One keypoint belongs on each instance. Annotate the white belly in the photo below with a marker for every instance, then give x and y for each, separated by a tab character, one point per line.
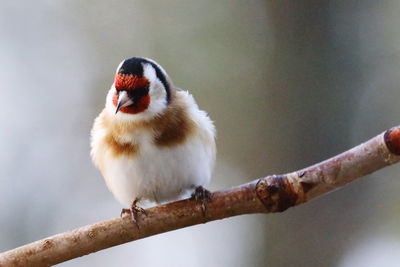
160	173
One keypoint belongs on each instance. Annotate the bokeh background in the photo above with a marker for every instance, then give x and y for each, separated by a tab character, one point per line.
288	84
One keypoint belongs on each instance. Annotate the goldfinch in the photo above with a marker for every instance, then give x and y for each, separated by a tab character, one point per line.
151	141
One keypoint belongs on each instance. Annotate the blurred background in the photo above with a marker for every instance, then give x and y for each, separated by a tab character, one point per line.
288	84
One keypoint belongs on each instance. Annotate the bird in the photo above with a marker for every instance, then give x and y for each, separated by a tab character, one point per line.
151	142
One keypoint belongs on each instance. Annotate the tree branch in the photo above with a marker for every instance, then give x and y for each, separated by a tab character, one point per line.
273	193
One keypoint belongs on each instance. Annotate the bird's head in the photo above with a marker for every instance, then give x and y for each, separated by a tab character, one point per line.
142	89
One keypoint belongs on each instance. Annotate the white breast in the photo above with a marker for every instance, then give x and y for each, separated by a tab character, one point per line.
159	173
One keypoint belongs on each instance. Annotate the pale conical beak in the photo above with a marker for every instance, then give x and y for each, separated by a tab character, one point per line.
123	101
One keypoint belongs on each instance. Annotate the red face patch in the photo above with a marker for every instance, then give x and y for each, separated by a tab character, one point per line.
130	82
140	106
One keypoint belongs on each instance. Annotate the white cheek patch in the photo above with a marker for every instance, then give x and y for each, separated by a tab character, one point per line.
157	91
149	72
109	98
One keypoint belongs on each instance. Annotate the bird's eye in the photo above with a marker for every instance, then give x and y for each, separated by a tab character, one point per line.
139	92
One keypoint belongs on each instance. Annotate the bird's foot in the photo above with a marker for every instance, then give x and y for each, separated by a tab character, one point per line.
203	195
134	211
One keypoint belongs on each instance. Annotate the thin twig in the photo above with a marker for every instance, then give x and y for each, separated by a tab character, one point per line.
273	193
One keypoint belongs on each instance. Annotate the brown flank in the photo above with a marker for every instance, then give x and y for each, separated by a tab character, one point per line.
174	126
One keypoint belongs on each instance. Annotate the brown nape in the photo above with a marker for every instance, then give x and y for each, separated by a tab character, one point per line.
118	148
